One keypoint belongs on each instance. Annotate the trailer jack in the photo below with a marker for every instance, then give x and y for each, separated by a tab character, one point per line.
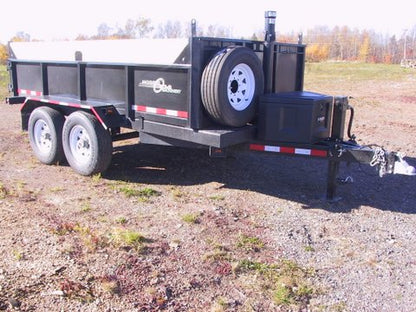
385	162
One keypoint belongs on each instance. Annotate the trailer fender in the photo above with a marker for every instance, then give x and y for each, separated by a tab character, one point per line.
106	114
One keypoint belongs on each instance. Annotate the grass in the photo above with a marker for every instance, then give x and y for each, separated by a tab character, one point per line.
93	240
85	207
142	194
286	281
110	284
309	248
354	72
217	197
3	191
121	220
191	218
250	243
96	178
127	238
177	193
18	255
4	81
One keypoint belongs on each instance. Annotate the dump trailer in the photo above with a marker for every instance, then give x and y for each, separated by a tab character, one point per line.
214	93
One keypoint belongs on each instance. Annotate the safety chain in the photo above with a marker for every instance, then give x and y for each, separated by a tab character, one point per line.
379	159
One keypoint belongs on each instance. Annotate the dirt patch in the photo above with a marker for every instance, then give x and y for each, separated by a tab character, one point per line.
169	229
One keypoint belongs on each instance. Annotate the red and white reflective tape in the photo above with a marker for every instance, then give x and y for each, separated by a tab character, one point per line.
29	92
289	150
75	105
160	111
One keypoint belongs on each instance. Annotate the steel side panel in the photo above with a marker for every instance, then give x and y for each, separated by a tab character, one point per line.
106	83
62	80
162	91
167	89
29	76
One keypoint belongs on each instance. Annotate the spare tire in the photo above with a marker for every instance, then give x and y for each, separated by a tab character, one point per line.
230	86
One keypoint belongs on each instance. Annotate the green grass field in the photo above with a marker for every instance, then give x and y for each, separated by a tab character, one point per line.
4	80
351	71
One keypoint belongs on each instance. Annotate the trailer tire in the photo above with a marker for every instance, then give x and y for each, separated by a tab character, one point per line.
230	86
87	145
45	135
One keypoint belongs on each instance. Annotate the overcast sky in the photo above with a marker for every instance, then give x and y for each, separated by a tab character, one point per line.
65	19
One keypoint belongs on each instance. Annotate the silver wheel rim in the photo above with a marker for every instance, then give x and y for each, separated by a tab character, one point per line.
42	135
241	86
80	144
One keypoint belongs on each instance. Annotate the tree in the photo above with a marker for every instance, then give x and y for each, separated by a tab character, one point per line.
364	51
103	31
317	52
171	29
3	54
218	31
21	36
139	28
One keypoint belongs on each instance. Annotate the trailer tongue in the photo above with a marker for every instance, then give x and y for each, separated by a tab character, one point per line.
207	92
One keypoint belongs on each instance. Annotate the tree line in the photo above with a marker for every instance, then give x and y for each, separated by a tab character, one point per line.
339	43
346	44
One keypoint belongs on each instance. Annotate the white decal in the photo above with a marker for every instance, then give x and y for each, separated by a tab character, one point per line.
159	86
321	119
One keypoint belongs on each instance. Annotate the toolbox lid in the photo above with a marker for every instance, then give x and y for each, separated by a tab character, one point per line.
294	97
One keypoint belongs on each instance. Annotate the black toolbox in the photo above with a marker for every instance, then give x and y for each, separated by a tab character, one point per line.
296	117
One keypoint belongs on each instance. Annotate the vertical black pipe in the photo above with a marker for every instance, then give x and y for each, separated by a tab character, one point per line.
268	54
193	28
129	71
195	105
45	82
82	86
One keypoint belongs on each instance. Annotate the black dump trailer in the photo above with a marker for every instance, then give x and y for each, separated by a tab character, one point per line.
207	92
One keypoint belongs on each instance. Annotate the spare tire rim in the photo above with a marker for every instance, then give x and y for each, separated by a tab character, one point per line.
42	135
241	86
80	144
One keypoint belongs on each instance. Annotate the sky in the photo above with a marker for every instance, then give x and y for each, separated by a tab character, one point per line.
65	19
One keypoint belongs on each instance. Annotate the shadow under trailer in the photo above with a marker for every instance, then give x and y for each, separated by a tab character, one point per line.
213	93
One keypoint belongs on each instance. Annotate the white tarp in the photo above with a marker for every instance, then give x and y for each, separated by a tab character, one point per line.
141	51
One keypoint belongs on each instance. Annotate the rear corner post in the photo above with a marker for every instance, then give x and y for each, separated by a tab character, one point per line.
270	37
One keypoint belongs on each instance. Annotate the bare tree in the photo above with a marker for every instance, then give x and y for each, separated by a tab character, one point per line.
133	29
170	29
218	31
21	36
103	31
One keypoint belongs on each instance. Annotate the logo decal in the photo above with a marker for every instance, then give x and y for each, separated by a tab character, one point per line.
159	86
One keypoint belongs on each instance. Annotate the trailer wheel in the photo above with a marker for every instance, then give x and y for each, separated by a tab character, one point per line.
230	85
87	145
45	134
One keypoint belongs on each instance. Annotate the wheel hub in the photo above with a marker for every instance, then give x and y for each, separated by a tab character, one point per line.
241	87
79	143
42	136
